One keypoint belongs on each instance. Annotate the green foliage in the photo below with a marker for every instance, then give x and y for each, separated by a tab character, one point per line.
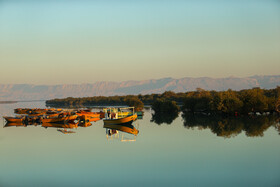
254	100
134	102
165	106
200	101
226	102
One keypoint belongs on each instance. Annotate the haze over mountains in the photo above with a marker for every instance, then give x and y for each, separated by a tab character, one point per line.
42	92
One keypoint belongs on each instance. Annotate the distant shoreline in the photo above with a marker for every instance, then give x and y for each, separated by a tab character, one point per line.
8	102
12	102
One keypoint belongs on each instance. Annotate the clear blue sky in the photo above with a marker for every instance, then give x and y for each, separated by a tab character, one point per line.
61	42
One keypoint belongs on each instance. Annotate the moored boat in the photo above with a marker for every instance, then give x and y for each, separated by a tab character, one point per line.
60	118
21	110
111	116
124	120
88	116
14	119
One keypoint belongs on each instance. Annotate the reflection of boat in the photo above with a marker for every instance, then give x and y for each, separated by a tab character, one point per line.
111	116
61	125
124	133
65	131
14	119
87	116
64	126
124	128
9	124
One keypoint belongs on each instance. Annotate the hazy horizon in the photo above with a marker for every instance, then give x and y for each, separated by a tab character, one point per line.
76	42
120	81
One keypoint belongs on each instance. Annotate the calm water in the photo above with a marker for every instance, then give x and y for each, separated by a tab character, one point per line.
186	152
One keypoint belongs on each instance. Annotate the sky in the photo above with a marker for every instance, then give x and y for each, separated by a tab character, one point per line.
74	42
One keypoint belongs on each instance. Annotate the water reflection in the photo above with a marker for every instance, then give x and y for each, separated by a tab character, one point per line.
231	126
160	118
61	127
15	125
121	132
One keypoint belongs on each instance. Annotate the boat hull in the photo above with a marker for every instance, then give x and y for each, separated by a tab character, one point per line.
120	120
89	116
13	119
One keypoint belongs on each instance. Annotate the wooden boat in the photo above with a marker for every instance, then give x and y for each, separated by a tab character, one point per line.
35	111
14	119
21	110
87	124
124	120
124	114
111	116
88	116
60	118
102	114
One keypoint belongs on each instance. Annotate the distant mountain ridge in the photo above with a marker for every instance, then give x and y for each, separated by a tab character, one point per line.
43	92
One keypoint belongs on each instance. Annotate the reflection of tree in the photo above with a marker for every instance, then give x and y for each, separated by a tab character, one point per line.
165	111
160	118
230	126
277	126
256	126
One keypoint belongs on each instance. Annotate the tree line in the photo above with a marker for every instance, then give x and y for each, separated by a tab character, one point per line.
230	102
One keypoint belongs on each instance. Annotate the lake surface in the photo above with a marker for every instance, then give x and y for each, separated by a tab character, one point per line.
186	152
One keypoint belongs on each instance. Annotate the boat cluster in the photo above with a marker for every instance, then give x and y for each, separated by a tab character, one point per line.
115	119
52	115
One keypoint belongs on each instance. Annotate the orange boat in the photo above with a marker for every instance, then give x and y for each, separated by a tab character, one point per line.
121	121
14	119
21	110
112	117
60	118
88	116
35	111
87	124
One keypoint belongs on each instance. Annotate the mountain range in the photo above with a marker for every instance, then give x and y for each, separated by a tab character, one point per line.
20	92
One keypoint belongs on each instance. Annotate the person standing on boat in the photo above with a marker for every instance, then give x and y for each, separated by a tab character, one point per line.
108	113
